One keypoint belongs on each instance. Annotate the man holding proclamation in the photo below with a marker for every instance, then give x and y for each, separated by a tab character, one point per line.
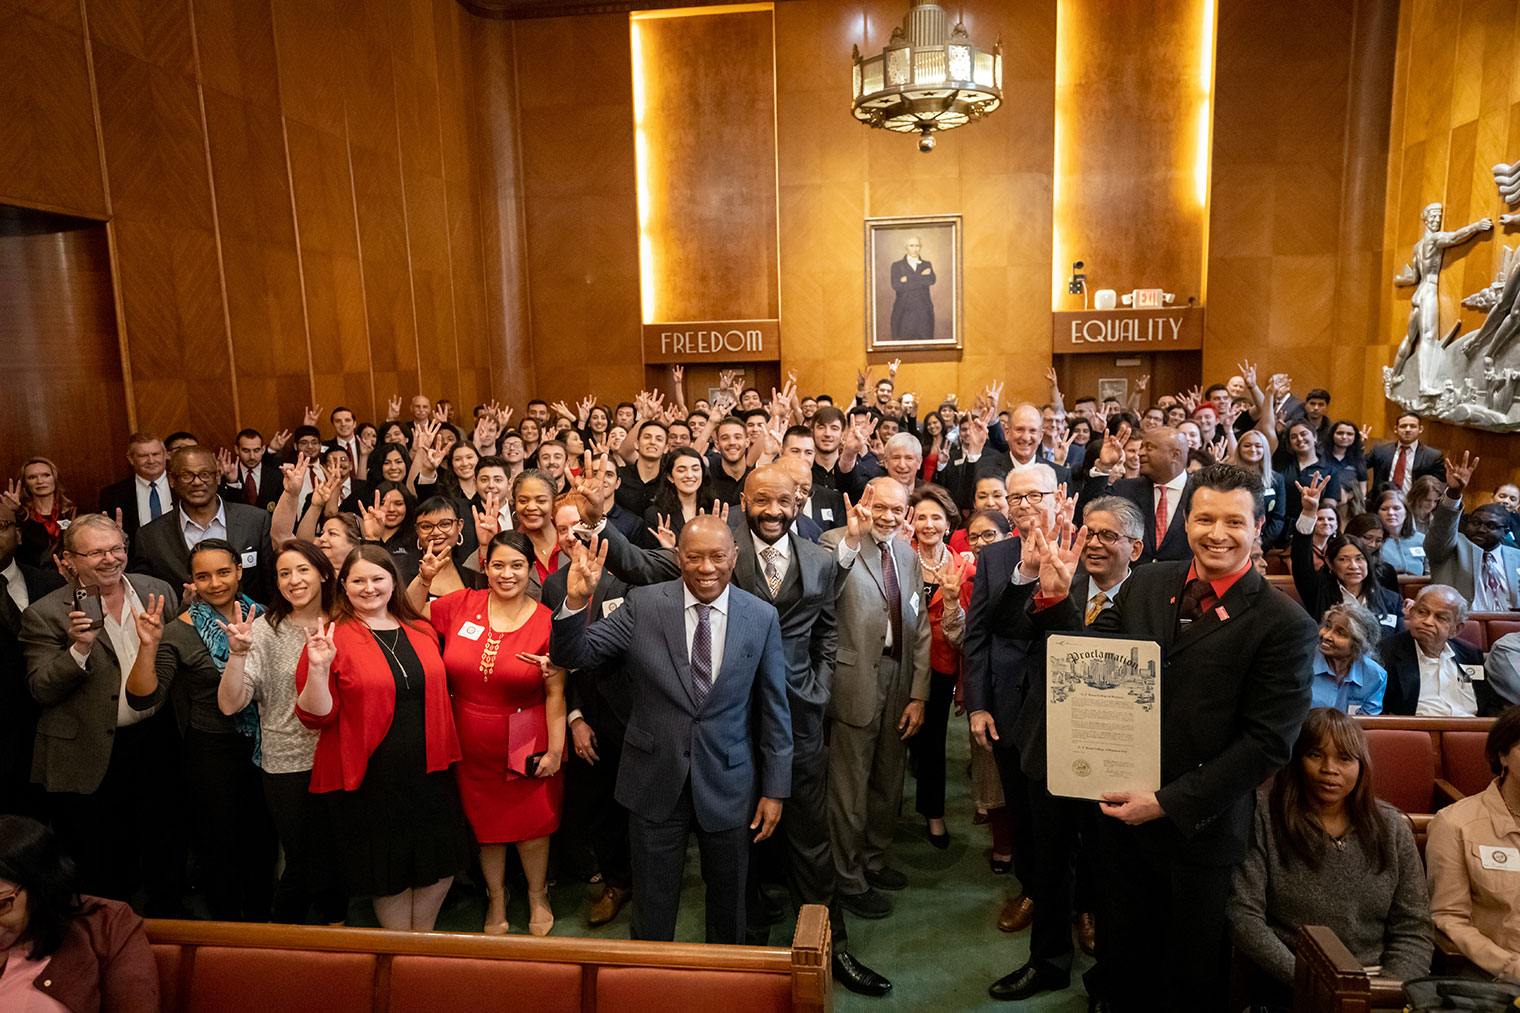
1236	667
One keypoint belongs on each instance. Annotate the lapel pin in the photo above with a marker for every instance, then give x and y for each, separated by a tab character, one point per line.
1221	613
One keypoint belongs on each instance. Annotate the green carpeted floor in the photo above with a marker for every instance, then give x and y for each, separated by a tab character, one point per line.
940	946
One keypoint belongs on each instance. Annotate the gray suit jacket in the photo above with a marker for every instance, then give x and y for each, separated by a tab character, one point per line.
1455	560
858	695
733	749
78	722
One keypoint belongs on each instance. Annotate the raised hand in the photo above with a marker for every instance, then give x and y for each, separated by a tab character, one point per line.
440	415
1309	497
227	463
858	517
1366	432
487	520
862	380
663	533
320	650
239	631
1063	448
1247	371
120	521
312	414
951	574
503	415
586	565
326	488
1060	557
1458	475
995	392
1143	382
974	435
1219	448
11	498
562	410
720	510
295	474
278	441
367	440
373	521
423	434
432	563
893	366
583	409
678	373
150	621
393	408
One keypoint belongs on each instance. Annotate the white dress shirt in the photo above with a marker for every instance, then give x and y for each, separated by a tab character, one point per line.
1173	501
15	586
121	631
717	622
215	528
847	556
165	500
1393	465
783	549
1483	599
1444	690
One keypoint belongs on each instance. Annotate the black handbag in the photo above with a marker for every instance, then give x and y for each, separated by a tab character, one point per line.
1426	995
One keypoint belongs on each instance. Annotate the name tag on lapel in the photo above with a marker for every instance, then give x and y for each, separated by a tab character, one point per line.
913	603
1417	551
250	558
1472	673
1389	621
1499	859
826	513
471	631
610	606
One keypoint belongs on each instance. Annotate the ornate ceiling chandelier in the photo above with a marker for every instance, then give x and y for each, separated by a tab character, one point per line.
928	77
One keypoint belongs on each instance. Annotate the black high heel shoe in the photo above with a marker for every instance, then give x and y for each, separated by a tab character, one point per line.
940	841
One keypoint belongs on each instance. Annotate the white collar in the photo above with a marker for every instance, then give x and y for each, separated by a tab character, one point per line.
143	483
1112	592
1178	482
782	545
12	573
720	603
221	517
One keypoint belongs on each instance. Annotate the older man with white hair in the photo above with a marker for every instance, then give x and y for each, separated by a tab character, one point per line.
1429	671
903	458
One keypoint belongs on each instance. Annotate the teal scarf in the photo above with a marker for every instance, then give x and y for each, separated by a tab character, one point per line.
207	622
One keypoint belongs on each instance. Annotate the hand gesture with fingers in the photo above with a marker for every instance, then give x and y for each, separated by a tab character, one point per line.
278	440
295	474
432	563
487	520
227	463
240	631
393	407
320	650
1058	558
150	621
1143	382
373	521
311	415
326	488
663	533
858	517
1247	372
440	416
1458	475
11	498
950	574
1111	454
1309	497
586	565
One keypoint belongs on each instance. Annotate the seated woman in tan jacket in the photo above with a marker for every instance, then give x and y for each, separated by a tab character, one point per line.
1473	862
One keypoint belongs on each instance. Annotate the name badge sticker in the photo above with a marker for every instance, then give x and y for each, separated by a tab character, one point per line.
827	513
610	606
1499	859
250	558
471	631
1417	551
1472	673
913	603
1389	620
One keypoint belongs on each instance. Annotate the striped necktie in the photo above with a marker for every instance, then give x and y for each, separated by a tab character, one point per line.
701	656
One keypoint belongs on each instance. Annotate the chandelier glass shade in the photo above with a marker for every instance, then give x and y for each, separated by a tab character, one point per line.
929	77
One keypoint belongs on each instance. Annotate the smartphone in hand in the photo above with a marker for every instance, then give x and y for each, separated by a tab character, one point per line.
87	600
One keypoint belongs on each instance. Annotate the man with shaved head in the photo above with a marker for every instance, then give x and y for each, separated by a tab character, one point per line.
708	747
162	547
1430	672
1158	491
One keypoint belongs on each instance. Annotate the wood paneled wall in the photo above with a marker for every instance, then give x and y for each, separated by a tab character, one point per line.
291	189
1456	112
834	173
1300	132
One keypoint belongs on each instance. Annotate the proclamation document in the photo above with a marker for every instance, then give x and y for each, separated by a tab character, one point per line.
1102	715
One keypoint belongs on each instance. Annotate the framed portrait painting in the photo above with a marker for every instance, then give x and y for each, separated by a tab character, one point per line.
913	283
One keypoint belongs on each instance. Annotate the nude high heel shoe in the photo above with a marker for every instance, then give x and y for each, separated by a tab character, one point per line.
496	904
540	915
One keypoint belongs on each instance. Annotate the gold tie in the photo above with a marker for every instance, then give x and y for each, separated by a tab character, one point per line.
1094	606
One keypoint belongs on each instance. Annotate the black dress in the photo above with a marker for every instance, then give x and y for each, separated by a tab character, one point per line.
403	827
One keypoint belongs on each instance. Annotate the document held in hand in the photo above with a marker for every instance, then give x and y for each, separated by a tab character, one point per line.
1102	715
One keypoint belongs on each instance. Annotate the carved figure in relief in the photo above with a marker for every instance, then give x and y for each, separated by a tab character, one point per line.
1422	340
1507	179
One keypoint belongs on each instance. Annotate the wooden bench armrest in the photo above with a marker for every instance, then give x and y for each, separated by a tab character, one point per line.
1446	793
1326	977
813	961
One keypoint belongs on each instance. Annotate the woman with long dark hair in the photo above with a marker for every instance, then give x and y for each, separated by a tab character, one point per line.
388	519
60	950
1346	573
182	660
682	491
1344	455
373	684
261	672
1325	851
936	447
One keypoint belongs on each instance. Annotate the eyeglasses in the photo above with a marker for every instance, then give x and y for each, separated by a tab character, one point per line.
1108	537
204	477
8	901
7	525
1032	498
96	555
426	528
985	536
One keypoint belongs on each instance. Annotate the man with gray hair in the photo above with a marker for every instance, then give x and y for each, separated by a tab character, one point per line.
1429	672
110	771
903	458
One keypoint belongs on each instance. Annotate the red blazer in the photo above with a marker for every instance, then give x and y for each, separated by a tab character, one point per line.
364	702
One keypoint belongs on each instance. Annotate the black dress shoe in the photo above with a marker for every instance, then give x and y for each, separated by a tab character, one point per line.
1096	1005
999	866
871	904
1025	982
940	841
886	878
771	909
857	977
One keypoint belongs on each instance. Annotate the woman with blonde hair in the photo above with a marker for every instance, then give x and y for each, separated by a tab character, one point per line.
42	509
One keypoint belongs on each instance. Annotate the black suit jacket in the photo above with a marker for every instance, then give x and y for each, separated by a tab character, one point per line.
18	711
123	496
602	693
825	509
159	549
1001	639
1427	461
1234	692
1318	589
271	484
1402	695
1141	491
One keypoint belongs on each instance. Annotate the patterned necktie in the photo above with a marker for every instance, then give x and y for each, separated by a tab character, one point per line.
894	598
1493	580
155	505
1398	468
1196	598
1160	515
772	573
1095	607
701	656
10	615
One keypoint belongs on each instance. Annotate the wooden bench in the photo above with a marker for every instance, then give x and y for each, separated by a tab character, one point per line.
232	968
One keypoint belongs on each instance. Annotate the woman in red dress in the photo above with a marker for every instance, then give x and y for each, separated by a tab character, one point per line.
509	703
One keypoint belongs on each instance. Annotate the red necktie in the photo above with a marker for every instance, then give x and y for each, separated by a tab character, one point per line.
1398	468
353	459
1160	515
250	488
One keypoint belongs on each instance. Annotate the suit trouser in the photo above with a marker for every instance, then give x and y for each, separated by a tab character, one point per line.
865	774
604	821
803	835
1162	923
131	830
659	864
1016	798
234	835
1059	826
928	747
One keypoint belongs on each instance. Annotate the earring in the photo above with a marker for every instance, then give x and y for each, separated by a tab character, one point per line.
460	539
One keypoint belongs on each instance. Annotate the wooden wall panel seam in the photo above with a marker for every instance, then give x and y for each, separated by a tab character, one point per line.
406	225
100	141
216	225
519	208
295	214
353	193
448	250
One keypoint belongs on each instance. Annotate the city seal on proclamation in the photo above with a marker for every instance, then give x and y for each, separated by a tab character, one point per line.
1102	715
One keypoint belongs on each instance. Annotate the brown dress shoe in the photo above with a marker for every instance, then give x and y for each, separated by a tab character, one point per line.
1017	914
607	906
1087	933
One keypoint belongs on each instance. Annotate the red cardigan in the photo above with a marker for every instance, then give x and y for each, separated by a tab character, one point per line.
364	702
